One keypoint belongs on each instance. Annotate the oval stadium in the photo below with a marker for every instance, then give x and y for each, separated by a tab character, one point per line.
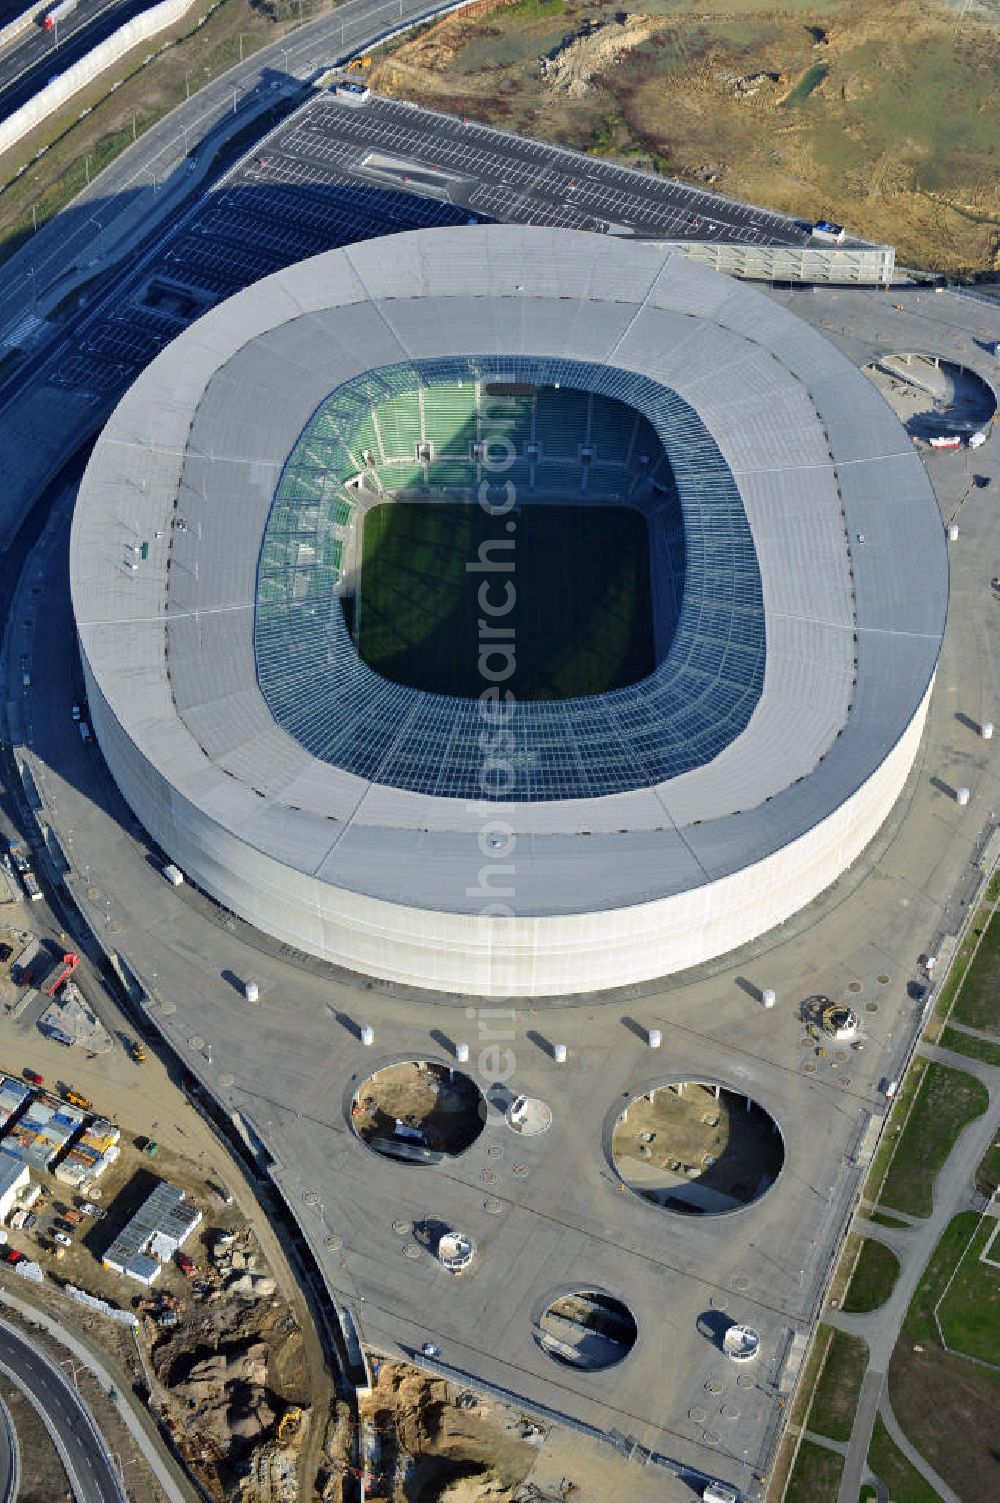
508	611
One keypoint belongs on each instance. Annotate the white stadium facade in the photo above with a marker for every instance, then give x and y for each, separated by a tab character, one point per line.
485	846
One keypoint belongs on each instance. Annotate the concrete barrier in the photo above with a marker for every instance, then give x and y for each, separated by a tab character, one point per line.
57	93
20	24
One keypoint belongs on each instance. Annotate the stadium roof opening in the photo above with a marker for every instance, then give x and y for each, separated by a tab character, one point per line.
588	433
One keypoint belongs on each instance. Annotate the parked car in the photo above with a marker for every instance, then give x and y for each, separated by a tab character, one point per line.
76	712
62	1239
221	1192
147	1146
6	951
12	1256
30	1220
185	1264
89	1209
33	1077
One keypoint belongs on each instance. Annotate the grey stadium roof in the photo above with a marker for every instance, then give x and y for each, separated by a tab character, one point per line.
853	628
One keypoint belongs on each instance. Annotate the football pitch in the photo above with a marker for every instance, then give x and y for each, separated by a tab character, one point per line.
581	615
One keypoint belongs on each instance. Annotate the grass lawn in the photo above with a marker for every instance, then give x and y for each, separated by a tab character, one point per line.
887	1461
964	1043
970	1311
948	1408
946	1101
816	1475
919	1324
978	1000
836	1396
988	1173
581	619
874	1278
882	1219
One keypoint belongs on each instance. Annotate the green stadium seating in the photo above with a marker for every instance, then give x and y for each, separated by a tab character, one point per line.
398	422
450	418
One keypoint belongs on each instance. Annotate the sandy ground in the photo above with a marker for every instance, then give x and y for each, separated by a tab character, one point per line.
886	119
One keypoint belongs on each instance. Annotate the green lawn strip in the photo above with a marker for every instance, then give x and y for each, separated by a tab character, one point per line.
961	961
898	1114
887	1461
946	1101
816	1475
970	1311
965	1043
880	1218
988	1173
836	1397
874	1278
919	1323
978	1000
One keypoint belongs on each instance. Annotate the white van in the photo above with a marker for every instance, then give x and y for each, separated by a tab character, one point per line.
720	1492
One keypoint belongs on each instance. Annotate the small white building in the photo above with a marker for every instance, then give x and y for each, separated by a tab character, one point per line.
14	1181
160	1226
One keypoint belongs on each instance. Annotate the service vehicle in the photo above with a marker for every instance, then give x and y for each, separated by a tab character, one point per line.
75	1099
31	886
19	854
138	1051
147	1146
33	1077
173	874
60	12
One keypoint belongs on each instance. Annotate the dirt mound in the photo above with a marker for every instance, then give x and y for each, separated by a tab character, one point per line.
571	69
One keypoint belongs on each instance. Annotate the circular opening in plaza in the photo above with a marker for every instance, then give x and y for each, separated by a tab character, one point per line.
419	1111
588	1329
697	1147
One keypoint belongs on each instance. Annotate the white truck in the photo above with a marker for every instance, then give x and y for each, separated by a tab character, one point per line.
173	874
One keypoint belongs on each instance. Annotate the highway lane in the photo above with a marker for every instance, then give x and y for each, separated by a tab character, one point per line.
88	1461
39	56
10	1457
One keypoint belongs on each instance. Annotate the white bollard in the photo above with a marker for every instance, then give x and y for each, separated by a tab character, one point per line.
559	1053
251	991
655	1038
461	1053
953	532
767	997
368	1035
961	797
986	730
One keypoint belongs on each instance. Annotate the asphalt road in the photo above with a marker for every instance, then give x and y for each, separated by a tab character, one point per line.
10	1457
89	1464
39	56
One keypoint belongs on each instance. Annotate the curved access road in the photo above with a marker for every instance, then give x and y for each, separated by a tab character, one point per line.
10	1457
88	1461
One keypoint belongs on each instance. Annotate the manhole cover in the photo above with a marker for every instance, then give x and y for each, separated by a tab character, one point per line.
403	1228
883	980
711	1437
855	986
741	1282
744	1380
334	1243
846	1081
113	926
196	1041
226	1080
310	1198
488	1177
730	1412
520	1170
493	1207
871	1007
698	1415
93	893
494	1151
411	1250
809	1067
713	1386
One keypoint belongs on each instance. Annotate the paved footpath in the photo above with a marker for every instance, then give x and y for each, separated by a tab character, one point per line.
914	1246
